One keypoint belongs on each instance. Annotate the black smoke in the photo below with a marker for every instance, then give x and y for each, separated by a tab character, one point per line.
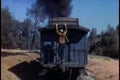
55	8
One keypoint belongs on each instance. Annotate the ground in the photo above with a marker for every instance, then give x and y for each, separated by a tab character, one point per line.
103	68
22	65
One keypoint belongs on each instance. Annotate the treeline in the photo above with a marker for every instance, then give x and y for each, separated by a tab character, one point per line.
106	43
23	35
16	34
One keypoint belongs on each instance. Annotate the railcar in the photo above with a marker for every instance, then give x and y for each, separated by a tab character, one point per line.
75	51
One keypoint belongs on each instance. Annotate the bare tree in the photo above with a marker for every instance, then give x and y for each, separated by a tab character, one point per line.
37	16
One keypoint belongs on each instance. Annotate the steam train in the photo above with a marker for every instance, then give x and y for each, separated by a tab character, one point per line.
75	51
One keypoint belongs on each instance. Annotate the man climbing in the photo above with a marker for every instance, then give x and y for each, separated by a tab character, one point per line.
62	40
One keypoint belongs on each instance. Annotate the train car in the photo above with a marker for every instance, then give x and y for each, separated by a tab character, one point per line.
75	51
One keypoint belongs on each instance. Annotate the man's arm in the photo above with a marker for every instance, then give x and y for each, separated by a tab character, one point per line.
67	39
65	29
57	29
66	33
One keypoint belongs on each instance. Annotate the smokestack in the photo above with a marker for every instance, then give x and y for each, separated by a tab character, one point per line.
55	8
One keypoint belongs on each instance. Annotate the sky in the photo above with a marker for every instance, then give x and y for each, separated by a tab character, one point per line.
91	13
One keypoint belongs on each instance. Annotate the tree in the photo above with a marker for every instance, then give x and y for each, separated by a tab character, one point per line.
10	30
37	15
106	43
7	40
117	29
16	30
93	35
26	26
110	42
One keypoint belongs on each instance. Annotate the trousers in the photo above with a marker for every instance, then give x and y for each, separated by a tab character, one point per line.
61	50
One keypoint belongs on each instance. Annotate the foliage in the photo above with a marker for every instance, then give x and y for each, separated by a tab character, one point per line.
117	28
26	30
8	32
93	35
14	34
106	44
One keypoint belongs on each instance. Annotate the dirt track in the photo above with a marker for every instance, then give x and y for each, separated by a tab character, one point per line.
22	65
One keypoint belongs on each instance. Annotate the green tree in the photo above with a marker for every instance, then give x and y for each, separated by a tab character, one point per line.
91	39
16	32
117	29
110	42
10	30
26	26
93	35
7	39
106	43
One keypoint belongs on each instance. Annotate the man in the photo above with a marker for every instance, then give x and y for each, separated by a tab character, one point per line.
62	40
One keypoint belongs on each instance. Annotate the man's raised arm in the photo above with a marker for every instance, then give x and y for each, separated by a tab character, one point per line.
57	28
66	28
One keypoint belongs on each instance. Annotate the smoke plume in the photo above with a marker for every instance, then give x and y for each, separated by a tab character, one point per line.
55	8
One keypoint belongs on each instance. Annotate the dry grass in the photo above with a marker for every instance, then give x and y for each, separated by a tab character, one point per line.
8	62
103	68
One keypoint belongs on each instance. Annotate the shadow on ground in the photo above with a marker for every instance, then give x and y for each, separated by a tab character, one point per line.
30	71
27	71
